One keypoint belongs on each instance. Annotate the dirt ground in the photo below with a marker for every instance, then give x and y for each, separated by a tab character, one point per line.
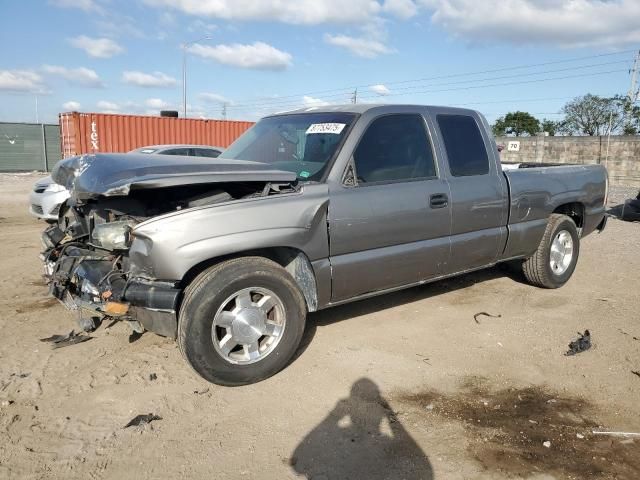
406	385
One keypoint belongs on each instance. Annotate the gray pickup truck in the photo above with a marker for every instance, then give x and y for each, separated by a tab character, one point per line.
306	210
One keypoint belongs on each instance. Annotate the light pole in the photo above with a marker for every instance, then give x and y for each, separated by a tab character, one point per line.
185	46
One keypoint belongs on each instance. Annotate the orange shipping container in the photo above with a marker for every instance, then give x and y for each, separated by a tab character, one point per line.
100	132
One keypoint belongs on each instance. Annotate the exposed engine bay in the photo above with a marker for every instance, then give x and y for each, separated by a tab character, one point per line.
86	253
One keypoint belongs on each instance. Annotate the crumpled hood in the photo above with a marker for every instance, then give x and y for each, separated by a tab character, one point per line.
116	174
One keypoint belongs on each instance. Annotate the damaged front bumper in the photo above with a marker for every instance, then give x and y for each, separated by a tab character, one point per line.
91	282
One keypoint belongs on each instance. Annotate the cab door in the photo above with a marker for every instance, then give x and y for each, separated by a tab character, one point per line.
479	196
389	222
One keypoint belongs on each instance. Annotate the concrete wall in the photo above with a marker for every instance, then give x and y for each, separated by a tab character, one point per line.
623	161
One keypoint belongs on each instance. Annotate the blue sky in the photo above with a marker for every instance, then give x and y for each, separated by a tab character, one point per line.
265	56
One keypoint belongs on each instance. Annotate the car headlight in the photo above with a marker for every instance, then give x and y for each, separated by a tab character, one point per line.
55	187
113	235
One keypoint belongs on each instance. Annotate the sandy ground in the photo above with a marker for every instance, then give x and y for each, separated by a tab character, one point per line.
407	385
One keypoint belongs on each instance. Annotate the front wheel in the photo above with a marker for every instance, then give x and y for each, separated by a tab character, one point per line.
241	321
552	265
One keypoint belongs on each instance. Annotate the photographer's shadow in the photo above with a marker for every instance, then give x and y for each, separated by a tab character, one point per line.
361	438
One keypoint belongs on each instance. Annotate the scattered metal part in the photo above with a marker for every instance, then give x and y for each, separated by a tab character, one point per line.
140	420
153	376
60	341
582	343
475	317
113	322
134	336
425	359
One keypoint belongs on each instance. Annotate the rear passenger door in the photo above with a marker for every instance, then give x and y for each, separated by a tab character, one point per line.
389	221
478	192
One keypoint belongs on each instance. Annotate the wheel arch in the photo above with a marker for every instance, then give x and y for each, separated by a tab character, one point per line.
292	259
573	210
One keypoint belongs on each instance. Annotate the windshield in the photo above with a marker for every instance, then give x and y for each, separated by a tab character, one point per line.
300	143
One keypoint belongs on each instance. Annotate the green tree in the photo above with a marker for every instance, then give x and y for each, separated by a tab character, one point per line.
551	127
516	123
594	115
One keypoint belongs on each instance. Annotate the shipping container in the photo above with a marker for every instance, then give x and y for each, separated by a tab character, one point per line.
101	132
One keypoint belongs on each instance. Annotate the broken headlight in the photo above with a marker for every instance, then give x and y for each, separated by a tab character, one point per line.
113	235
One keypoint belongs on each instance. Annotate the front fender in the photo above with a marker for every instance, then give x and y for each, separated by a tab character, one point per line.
169	246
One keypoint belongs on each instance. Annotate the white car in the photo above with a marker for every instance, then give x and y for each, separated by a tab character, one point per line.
47	196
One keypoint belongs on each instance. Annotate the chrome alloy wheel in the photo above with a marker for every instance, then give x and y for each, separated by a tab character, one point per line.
561	252
248	326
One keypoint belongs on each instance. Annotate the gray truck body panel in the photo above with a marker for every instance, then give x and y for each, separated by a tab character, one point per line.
366	239
342	241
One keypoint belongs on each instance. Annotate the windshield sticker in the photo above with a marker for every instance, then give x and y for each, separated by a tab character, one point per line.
304	174
335	128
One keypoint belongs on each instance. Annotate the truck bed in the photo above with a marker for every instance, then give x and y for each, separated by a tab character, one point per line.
536	191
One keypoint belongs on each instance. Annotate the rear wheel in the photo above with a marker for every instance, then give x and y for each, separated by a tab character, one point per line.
241	321
554	262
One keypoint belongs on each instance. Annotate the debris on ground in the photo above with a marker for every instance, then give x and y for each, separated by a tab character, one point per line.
582	343
631	210
153	376
617	434
71	338
635	372
629	335
140	420
135	336
425	359
201	392
546	444
88	324
20	375
475	317
6	403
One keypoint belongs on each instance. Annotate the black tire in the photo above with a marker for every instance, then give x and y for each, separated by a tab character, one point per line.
204	296
537	268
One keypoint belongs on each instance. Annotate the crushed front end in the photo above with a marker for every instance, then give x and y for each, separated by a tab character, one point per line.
86	257
88	270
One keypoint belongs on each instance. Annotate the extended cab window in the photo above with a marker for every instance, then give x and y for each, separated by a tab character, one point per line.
206	152
394	147
466	151
177	151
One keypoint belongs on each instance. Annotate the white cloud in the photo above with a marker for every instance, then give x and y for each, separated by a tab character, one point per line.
71	106
155	79
105	105
96	47
79	76
403	9
199	26
257	56
214	98
314	102
575	23
156	103
299	12
25	81
361	46
380	89
86	5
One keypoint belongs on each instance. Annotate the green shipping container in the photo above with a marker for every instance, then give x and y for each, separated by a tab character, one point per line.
28	146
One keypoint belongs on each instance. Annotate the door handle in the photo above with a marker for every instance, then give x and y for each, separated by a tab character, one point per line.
438	200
